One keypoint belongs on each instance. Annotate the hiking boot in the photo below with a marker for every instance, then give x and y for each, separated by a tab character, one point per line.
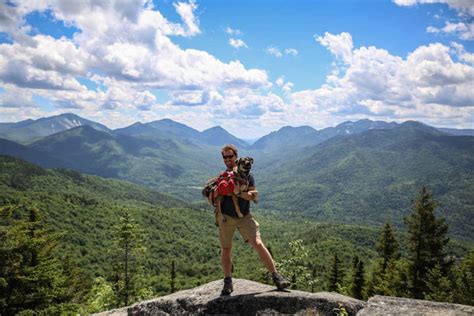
228	288
280	281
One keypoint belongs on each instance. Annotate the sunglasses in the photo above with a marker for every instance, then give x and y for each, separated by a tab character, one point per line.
228	156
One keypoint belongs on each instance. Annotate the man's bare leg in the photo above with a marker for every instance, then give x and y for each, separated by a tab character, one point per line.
267	260
226	261
263	252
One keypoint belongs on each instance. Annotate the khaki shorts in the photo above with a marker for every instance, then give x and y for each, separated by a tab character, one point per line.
247	226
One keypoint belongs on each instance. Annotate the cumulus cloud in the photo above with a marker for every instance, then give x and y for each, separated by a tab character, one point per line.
462	6
340	45
430	83
291	51
232	31
462	54
190	98
125	47
237	43
275	51
186	11
465	9
285	86
16	98
463	30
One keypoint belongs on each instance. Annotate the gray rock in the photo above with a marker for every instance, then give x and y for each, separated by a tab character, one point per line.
387	305
248	298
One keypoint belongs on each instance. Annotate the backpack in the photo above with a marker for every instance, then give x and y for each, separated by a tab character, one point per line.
226	183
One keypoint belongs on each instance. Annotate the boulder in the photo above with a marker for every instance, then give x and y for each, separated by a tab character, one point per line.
248	298
387	305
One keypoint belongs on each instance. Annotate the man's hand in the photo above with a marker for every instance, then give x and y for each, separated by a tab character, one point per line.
250	195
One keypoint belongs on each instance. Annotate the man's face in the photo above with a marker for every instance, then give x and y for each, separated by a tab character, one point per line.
229	158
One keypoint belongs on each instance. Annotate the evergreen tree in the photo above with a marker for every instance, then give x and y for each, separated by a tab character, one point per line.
336	274
127	255
358	278
440	287
173	277
387	246
427	241
465	280
381	281
31	276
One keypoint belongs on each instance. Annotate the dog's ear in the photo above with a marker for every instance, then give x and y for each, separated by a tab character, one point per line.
251	160
238	160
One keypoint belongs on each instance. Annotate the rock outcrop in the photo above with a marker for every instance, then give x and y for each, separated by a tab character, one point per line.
252	298
248	298
387	305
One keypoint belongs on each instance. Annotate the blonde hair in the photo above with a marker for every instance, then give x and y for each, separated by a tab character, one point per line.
230	147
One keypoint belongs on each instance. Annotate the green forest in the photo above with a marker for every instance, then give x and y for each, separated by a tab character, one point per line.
73	243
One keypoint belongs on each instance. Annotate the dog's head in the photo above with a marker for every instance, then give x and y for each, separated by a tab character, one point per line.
244	165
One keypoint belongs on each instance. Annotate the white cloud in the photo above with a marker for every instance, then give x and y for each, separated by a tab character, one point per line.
16	98
340	45
291	51
462	54
465	8
280	81
232	31
432	29
123	46
462	6
190	98
463	30
237	43
285	86
428	84
274	51
136	60
186	11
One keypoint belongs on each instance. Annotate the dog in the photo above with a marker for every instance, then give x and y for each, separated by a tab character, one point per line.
240	178
242	175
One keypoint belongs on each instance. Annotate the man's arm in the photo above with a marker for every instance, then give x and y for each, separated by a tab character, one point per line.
249	195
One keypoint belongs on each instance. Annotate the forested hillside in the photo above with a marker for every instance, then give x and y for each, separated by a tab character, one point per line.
362	172
369	177
87	211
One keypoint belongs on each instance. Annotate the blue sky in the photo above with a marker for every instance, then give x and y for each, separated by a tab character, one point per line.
249	66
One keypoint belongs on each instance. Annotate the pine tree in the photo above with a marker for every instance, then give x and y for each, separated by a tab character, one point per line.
382	280
465	280
336	274
387	246
440	287
127	255
173	277
427	241
358	278
31	275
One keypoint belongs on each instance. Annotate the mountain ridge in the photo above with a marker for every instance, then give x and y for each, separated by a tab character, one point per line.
29	130
170	125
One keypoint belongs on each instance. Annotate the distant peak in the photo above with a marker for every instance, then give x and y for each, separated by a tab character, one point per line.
290	128
68	114
216	128
167	121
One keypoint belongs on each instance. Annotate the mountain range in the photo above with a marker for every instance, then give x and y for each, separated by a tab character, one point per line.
29	130
366	172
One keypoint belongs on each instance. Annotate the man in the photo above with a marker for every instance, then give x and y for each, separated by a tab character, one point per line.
247	226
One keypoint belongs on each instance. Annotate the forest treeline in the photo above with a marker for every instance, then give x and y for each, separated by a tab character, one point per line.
36	278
